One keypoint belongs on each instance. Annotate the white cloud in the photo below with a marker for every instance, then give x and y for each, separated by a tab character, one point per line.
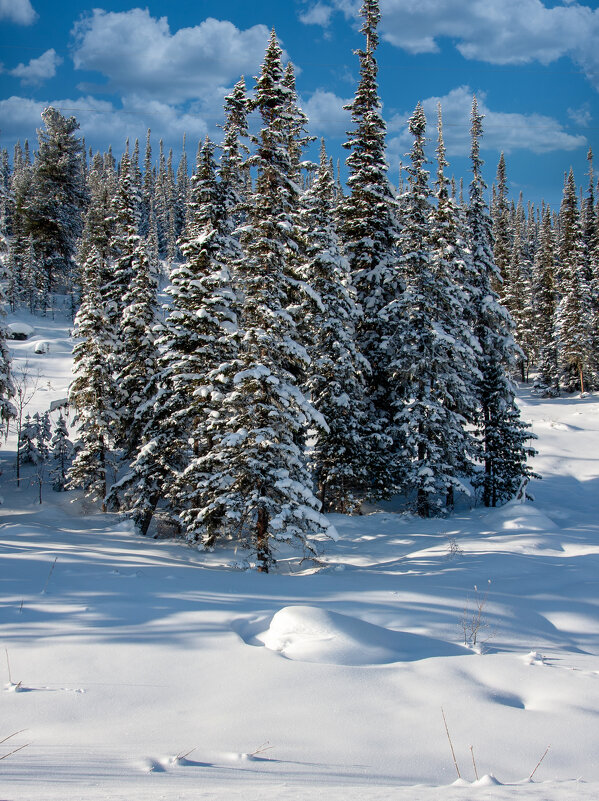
581	116
19	11
20	114
326	114
102	124
38	69
139	55
499	32
502	130
318	14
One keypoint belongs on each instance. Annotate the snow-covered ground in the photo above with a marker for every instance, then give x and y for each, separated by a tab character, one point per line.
141	669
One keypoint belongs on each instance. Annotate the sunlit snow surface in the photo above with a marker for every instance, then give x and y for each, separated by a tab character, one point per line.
142	669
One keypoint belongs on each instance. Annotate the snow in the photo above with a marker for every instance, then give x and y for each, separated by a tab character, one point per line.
135	669
311	634
19	329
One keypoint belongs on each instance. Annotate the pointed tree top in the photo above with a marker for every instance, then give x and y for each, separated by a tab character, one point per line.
371	13
441	160
476	131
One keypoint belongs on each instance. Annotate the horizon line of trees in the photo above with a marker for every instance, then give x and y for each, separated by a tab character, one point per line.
318	348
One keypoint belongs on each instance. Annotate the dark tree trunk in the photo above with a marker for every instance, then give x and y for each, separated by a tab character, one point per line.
422	504
262	546
145	518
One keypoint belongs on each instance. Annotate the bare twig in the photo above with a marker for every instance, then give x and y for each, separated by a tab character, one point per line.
474	762
8	665
187	753
10	753
538	763
262	748
474	621
49	574
451	745
12	735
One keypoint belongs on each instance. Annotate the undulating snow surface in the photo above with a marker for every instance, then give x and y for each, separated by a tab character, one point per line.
141	669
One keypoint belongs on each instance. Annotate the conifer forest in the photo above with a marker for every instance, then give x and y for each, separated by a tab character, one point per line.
258	345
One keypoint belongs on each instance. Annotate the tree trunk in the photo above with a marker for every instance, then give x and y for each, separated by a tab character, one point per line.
422	503
145	518
262	547
322	495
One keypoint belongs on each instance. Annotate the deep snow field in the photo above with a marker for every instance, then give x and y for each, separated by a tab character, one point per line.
142	669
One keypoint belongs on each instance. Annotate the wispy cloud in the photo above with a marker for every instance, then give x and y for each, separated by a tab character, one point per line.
39	69
581	116
506	32
503	130
101	123
317	14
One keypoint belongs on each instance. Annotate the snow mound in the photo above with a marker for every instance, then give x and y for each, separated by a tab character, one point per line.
310	634
19	330
515	516
488	780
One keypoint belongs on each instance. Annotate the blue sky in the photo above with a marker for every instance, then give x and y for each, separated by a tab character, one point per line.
121	68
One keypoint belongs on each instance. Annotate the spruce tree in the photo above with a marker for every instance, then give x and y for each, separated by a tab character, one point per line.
91	390
335	383
55	203
181	192
369	231
192	344
260	487
233	169
61	452
518	296
7	390
202	342
147	190
28	445
502	434
502	233
43	435
545	293
22	279
434	361
574	316
131	306
99	221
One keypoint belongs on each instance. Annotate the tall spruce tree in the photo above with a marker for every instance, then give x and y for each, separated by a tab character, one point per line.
7	410
61	449
574	313
434	363
22	280
91	390
336	377
203	345
258	466
502	434
138	354
55	203
369	230
518	296
545	293
502	232
233	170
